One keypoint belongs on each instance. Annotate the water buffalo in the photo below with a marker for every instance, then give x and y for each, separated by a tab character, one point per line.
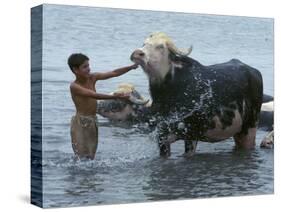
194	102
120	110
139	111
138	108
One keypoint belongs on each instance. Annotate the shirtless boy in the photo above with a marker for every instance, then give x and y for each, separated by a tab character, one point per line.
84	129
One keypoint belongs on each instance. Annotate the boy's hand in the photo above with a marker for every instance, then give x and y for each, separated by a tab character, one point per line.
135	66
122	96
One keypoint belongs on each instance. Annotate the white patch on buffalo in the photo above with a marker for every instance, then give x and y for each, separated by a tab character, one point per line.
174	66
267	106
243	108
218	133
177	65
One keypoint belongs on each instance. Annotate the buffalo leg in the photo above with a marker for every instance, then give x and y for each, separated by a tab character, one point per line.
189	148
163	142
165	148
246	141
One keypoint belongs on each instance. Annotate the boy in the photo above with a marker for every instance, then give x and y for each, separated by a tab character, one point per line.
84	130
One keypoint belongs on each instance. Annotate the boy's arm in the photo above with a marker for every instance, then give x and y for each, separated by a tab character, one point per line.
115	73
80	91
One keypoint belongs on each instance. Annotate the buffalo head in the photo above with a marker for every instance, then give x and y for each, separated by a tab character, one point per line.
158	55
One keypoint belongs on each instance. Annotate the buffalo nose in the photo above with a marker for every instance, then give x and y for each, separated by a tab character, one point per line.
137	54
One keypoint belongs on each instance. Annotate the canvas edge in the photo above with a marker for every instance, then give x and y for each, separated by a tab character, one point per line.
36	105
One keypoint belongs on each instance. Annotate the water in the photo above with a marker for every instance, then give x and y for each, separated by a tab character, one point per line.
127	167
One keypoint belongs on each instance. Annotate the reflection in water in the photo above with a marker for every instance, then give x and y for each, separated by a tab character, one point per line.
206	175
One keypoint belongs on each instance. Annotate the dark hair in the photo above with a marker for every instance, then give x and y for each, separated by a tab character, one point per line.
75	60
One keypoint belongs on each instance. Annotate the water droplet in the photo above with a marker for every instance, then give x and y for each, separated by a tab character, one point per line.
181	126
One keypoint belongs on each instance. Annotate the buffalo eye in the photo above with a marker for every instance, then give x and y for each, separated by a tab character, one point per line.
161	46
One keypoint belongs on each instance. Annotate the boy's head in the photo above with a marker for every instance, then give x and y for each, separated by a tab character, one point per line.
78	62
